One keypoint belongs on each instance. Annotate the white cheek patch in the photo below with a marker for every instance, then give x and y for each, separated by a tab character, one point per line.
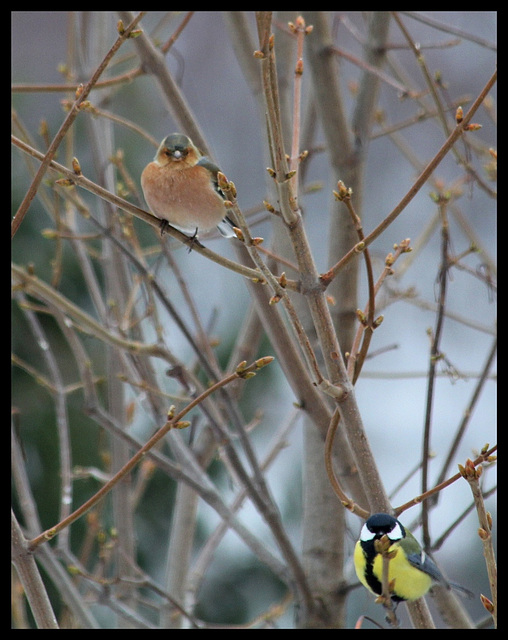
396	533
366	534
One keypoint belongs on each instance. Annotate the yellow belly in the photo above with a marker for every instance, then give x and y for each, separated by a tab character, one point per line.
410	583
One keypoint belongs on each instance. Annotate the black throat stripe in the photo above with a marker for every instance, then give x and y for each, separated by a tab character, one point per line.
370	553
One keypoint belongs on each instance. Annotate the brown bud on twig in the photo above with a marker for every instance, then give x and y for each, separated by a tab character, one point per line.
76	166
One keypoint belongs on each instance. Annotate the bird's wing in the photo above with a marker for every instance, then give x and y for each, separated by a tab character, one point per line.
209	165
427	565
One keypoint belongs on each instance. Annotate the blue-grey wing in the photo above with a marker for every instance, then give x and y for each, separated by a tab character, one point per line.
226	226
213	169
427	565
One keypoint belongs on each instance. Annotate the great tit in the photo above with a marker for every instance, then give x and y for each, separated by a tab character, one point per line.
411	569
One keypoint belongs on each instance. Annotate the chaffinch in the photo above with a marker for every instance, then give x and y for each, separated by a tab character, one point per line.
180	187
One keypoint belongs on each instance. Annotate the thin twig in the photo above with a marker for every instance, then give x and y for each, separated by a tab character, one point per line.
434	357
174	422
450	28
425	496
147	217
345	500
422	178
71	116
468	412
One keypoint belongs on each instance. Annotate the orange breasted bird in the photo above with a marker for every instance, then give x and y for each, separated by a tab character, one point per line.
180	187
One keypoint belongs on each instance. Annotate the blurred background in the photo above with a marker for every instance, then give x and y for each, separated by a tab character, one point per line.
203	62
